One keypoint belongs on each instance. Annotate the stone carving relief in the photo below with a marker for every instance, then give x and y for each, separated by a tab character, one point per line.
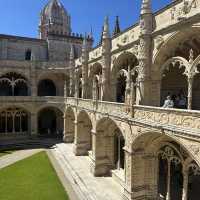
175	119
186	7
159	40
125	39
135	49
195	149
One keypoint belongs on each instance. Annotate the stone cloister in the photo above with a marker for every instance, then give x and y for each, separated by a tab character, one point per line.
108	100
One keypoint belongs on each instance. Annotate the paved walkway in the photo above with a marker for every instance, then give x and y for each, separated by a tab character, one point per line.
17	156
77	171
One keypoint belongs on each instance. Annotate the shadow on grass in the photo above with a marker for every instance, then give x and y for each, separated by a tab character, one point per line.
38	143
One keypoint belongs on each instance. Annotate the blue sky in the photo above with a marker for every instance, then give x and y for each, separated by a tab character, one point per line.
21	17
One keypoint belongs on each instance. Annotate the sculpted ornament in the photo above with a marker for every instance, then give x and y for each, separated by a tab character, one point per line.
135	49
158	42
195	149
125	39
180	14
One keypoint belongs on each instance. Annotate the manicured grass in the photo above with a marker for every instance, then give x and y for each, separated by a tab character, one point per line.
31	179
3	153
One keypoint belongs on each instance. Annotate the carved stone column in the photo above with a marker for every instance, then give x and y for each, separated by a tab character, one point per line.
78	151
33	80
65	88
76	90
129	170
190	86
99	162
68	135
185	185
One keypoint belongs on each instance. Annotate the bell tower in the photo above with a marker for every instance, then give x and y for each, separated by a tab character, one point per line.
54	20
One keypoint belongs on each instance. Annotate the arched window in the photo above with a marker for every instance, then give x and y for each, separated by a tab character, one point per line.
14	121
28	55
12	84
46	88
50	122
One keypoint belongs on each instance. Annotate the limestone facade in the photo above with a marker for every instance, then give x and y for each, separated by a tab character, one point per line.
111	97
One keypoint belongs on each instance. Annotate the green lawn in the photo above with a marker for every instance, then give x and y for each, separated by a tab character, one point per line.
31	179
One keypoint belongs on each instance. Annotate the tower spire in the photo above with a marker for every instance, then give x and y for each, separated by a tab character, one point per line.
117	26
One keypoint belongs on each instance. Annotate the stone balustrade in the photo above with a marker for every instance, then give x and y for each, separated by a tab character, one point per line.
184	120
103	107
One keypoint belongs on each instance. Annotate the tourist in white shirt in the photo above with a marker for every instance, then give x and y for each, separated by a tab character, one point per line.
168	103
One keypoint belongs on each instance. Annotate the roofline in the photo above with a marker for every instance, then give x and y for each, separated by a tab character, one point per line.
171	4
5	36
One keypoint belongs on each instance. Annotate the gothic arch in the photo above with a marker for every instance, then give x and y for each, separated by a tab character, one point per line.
174	81
168	160
109	144
185	39
50	122
95	75
151	142
15	120
59	80
14	84
46	87
126	62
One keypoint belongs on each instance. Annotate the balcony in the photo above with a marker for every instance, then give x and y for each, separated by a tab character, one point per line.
103	107
187	122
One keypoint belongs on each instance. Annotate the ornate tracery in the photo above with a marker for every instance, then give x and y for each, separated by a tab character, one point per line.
13	120
13	84
177	177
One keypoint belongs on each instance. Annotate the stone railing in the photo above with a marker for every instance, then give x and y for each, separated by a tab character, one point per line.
179	119
108	108
112	108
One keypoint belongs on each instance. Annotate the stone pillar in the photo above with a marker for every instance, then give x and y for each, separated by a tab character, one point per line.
76	90
190	86
168	197
85	58
80	145
145	53
68	135
33	85
151	175
65	88
99	163
185	185
34	125
128	189
106	59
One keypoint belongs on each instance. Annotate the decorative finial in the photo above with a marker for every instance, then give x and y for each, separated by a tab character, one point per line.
191	56
146	7
117	29
106	30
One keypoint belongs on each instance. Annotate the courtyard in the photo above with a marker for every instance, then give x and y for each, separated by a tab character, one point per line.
31	178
